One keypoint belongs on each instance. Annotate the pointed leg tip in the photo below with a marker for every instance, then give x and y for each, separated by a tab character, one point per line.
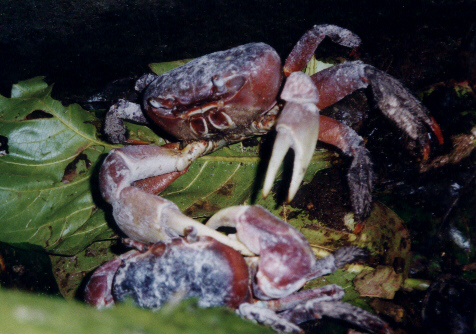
358	227
287	71
435	127
426	152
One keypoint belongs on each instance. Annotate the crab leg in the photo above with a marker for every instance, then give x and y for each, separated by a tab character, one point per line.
331	292
264	311
286	261
360	173
316	309
142	216
114	126
394	100
308	305
329	264
307	45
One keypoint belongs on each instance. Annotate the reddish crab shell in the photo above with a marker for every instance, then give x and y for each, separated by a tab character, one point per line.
245	83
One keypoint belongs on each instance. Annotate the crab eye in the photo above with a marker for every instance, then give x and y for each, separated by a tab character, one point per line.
162	103
154	103
219	84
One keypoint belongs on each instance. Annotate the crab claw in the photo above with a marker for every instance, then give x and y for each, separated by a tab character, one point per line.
399	105
298	128
143	216
285	257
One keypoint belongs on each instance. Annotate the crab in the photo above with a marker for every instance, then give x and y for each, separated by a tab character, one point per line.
228	96
261	288
223	98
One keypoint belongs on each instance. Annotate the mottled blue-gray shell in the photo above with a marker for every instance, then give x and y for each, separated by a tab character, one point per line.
182	269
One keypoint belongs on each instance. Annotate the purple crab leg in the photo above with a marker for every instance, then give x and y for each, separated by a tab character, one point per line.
393	99
316	309
329	264
307	45
330	292
297	128
267	317
114	127
360	173
264	312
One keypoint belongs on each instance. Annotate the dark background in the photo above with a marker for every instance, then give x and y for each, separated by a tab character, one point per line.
82	45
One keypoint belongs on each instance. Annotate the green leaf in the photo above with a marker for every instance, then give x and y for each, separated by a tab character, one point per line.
46	193
314	66
70	271
228	177
28	313
28	88
161	68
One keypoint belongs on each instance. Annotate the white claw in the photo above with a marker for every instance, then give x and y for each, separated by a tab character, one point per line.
281	146
303	141
179	222
303	151
298	128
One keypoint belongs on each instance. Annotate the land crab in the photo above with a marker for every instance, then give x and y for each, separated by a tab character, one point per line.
220	99
227	96
262	288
